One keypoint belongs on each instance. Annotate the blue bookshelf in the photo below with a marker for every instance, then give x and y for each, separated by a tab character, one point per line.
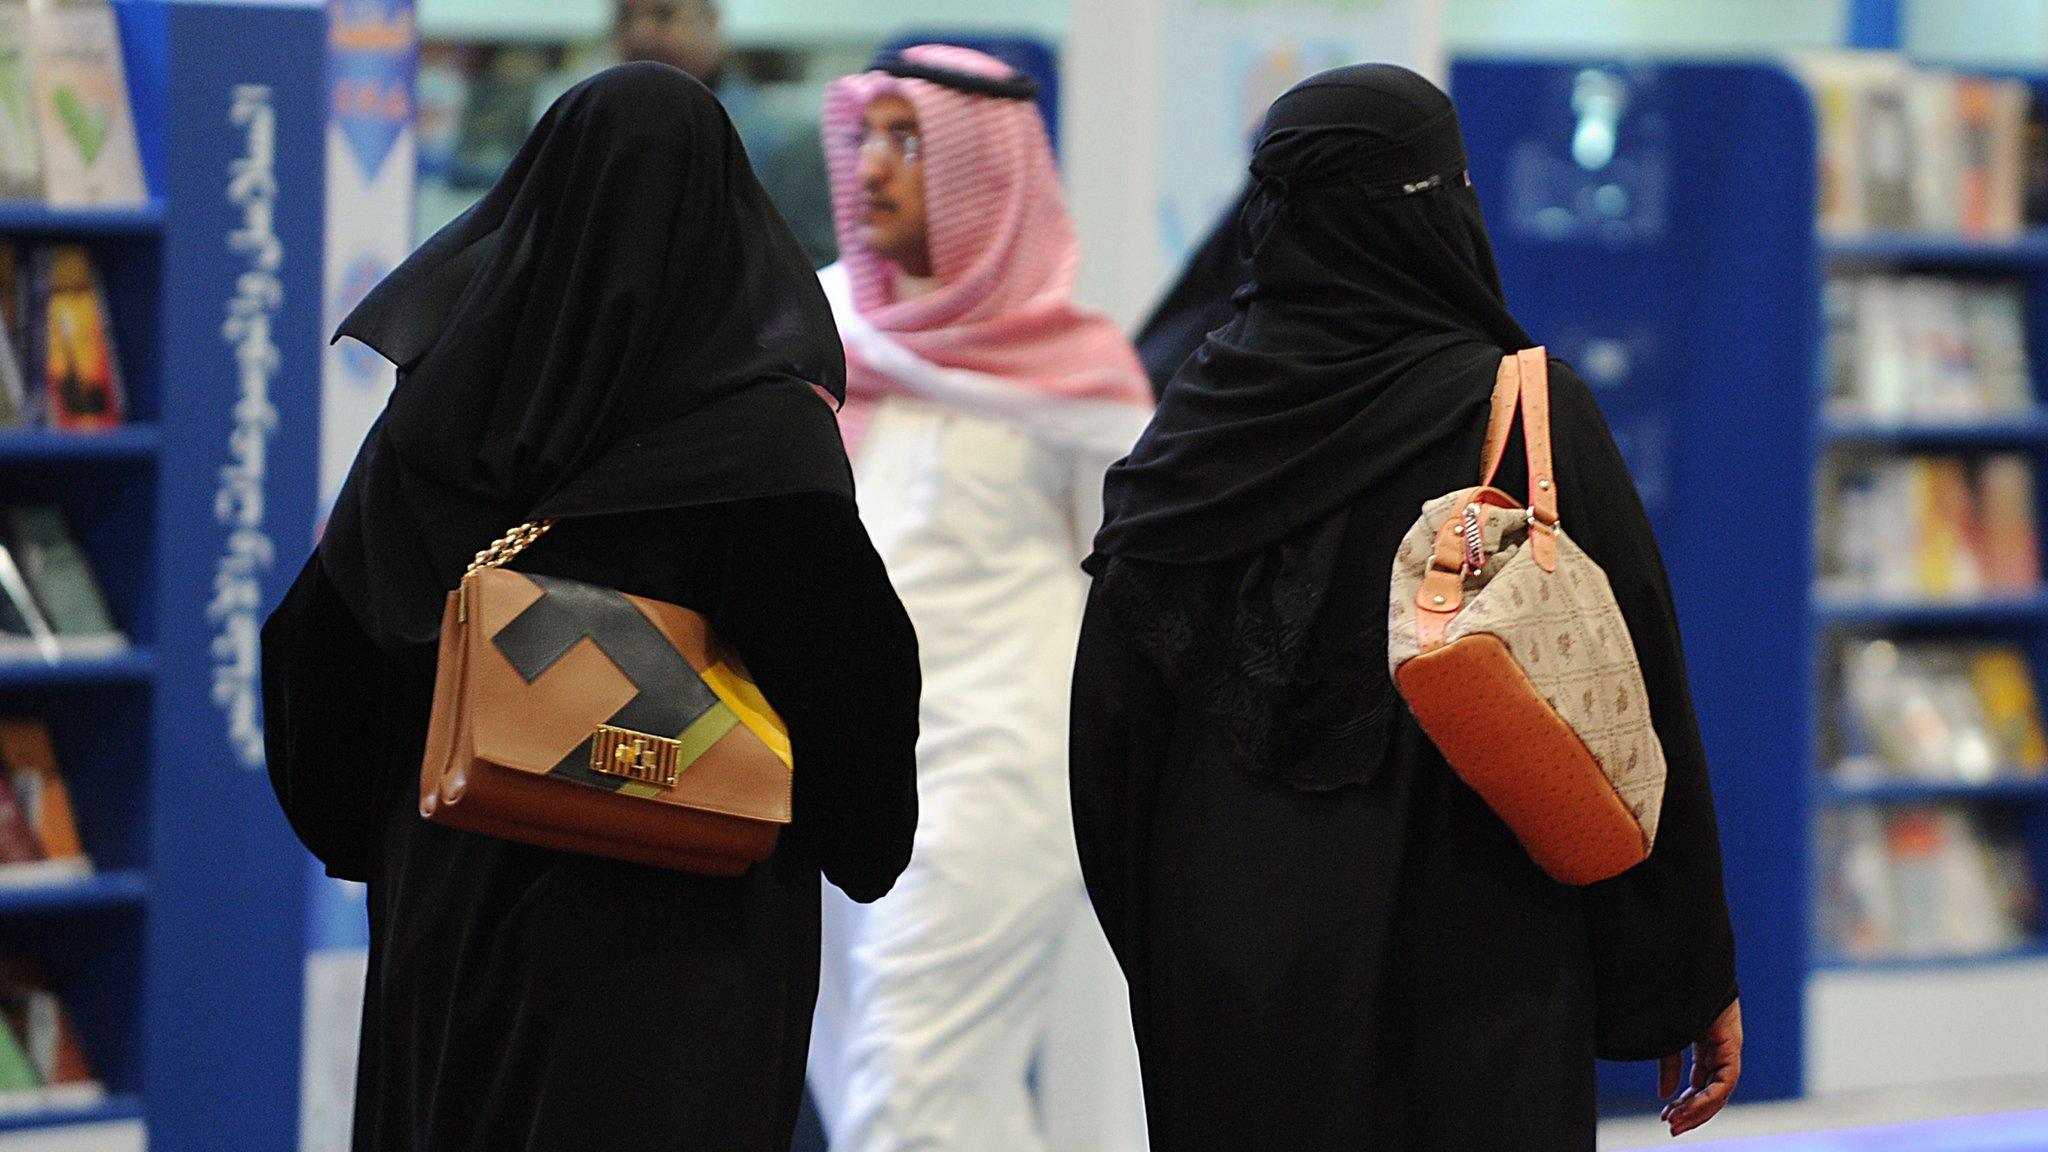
42	220
110	1110
2025	431
131	667
1862	613
1684	278
40	446
125	889
182	959
2009	789
2023	253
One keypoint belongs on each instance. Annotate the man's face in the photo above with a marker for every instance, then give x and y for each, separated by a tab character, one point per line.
891	174
679	33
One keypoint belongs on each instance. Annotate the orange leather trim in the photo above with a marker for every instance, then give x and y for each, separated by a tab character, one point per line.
1500	420
1508	743
1535	373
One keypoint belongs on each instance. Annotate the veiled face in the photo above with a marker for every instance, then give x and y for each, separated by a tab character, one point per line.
891	174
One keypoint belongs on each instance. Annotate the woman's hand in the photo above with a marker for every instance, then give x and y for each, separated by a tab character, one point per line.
1716	1066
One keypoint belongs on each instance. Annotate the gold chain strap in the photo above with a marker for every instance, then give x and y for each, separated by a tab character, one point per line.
505	548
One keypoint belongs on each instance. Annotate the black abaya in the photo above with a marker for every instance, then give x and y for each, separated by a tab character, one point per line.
527	1000
623	336
1331	941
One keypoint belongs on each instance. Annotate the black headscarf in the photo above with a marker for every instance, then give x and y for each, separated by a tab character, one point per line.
1200	301
1373	321
1362	350
623	323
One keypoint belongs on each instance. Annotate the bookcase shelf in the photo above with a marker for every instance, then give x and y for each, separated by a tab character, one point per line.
134	666
1857	612
2022	253
126	889
23	219
1694	302
2004	790
2029	430
42	446
183	963
107	1111
2033	950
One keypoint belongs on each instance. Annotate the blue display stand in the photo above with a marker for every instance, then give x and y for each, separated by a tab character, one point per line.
1656	226
1680	277
183	960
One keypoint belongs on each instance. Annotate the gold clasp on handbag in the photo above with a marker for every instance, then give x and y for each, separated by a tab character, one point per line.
635	756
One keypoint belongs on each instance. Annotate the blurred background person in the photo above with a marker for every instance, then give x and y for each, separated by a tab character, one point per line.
983	407
780	133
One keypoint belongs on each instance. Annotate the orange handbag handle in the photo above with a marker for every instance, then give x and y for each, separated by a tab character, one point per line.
1525	377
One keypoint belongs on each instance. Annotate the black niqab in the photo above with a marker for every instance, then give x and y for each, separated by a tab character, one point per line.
1366	340
623	323
1373	322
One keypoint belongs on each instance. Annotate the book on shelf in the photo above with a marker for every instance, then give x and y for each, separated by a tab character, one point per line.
1924	881
1937	712
28	760
21	153
76	365
59	366
1927	348
1944	529
43	1062
1921	149
51	604
89	150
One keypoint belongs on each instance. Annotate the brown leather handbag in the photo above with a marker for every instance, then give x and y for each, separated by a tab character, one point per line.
576	717
1508	646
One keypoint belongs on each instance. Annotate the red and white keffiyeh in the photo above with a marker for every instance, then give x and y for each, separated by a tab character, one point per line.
1002	333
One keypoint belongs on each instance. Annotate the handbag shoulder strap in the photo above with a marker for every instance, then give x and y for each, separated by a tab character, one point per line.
1524	382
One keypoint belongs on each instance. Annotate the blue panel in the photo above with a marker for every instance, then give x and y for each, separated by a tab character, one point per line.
242	337
17	218
2027	431
2015	789
1874	24
1684	287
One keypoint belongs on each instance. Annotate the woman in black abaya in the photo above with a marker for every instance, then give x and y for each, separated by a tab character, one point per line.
1331	942
624	336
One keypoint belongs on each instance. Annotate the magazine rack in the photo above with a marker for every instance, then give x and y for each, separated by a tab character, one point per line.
1677	263
182	959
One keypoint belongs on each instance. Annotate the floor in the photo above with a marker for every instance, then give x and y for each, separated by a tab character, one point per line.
1986	1116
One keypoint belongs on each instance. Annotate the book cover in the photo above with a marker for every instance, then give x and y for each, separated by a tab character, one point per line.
90	154
81	373
1931	107
61	579
1995	323
13	389
30	760
2005	687
2034	165
2006	208
1887	153
21	153
14	316
18	841
1944	512
43	1028
19	1083
2011	536
24	632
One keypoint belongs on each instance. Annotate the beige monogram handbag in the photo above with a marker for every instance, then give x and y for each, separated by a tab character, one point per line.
1506	643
